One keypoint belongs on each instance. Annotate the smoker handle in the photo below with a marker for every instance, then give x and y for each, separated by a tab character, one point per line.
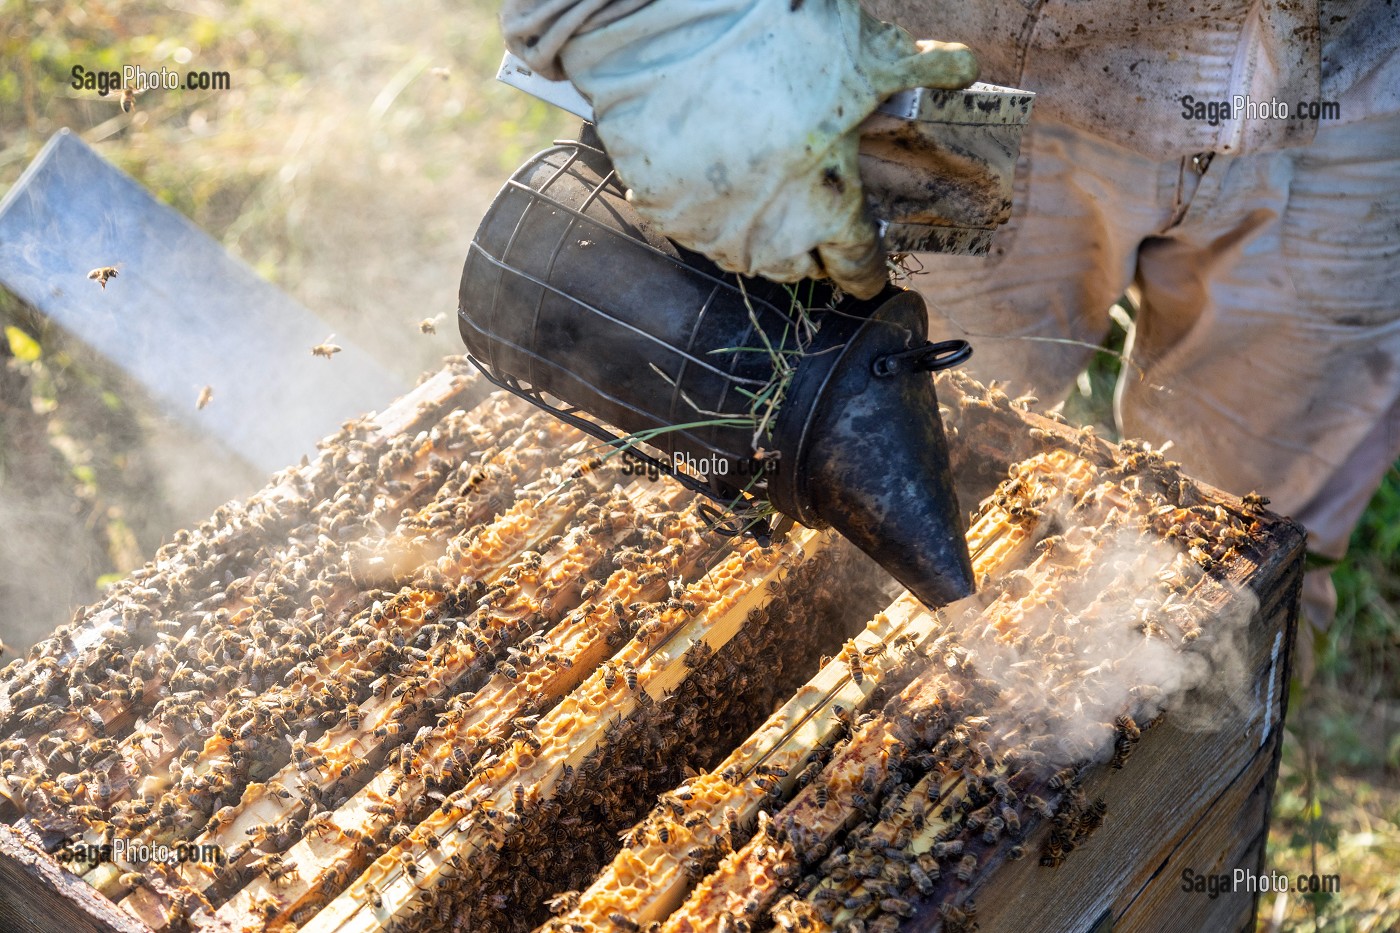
929	358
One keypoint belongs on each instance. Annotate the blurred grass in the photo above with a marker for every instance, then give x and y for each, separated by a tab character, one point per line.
349	168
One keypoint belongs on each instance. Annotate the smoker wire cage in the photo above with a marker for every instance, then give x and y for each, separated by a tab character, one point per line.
788	402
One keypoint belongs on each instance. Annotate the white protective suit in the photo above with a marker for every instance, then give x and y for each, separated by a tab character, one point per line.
1266	250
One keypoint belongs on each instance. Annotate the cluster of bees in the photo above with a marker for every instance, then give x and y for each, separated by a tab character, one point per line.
378	684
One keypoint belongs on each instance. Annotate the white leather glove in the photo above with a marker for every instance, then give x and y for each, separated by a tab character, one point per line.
734	123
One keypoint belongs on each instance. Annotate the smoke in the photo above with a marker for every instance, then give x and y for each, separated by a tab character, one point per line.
1112	625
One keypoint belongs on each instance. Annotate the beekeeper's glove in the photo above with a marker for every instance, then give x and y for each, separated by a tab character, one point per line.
734	123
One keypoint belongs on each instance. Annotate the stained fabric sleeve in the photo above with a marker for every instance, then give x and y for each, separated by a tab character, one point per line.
536	30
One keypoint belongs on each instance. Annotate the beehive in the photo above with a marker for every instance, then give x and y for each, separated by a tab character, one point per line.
461	668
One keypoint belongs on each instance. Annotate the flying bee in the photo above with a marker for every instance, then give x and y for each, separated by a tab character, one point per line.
429	324
206	395
102	274
325	348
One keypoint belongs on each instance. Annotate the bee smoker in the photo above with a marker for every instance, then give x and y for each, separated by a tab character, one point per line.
566	291
776	402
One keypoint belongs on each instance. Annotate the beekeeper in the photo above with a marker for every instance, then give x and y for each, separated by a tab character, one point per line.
1237	161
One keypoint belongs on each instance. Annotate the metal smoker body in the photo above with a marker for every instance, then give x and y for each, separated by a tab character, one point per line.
772	400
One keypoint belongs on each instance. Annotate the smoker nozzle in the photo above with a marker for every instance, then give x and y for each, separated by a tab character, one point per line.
566	291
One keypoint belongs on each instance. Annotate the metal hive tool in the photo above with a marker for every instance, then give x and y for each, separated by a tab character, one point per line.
774	401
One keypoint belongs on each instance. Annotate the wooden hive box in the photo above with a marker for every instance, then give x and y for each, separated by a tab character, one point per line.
502	649
1190	798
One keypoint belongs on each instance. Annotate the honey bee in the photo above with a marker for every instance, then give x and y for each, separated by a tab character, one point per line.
325	348
622	921
967	866
277	867
94	721
353	766
959	920
102	790
206	395
374	896
949	849
102	274
630	673
609	675
731	823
